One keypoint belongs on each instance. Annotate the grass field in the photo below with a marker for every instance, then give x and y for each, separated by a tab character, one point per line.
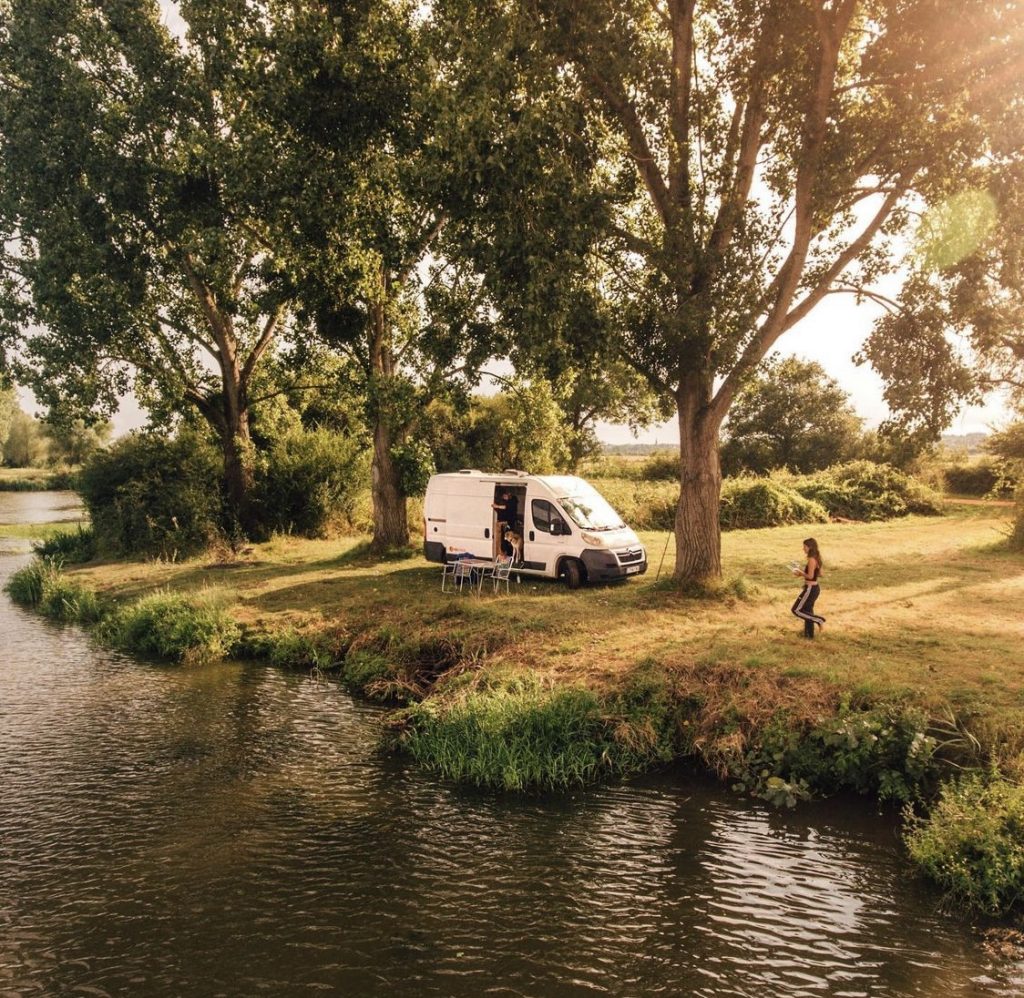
928	606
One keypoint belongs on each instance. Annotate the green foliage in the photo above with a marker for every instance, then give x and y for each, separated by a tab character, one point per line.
883	751
8	407
515	732
1008	444
171	626
862	490
972	843
791	416
750	503
414	464
39	483
42	586
604	391
294	650
69	601
642	505
151	496
520	428
369	672
310	482
69	546
660	466
25	444
75	441
663	467
27	585
980	478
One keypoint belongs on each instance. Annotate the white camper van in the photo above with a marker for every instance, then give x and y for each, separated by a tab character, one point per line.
567	528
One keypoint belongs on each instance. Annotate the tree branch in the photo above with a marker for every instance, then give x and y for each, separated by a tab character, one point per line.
681	12
420	247
266	337
639	148
842	261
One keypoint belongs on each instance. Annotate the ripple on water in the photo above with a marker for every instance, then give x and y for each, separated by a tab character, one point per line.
231	830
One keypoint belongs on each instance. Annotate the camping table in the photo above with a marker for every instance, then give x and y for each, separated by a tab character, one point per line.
478	568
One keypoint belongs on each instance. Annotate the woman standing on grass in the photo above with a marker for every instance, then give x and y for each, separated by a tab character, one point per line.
810	573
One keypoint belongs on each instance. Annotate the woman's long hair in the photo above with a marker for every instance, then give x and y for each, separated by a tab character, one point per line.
813	551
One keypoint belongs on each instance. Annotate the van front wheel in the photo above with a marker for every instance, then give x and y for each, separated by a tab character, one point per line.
572	572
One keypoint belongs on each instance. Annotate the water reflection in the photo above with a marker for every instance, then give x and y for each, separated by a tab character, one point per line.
230	830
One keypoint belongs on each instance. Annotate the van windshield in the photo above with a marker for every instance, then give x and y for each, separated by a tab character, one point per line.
591	512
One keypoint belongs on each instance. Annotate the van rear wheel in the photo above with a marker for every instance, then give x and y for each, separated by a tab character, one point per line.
572	572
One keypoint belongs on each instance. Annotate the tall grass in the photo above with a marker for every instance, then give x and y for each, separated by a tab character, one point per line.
70	546
43	586
27	585
172	626
518	733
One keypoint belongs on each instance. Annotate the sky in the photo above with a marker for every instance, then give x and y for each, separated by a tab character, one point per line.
830	335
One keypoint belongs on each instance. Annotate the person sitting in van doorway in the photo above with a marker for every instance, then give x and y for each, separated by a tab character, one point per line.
508	513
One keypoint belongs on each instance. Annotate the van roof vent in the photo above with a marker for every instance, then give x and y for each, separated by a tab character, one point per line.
469	471
515	471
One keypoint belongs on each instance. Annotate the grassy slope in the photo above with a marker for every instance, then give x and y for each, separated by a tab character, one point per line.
928	606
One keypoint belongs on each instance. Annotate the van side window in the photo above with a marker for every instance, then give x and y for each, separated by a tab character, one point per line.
544	514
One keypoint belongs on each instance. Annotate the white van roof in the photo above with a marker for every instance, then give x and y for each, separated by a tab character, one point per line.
559	485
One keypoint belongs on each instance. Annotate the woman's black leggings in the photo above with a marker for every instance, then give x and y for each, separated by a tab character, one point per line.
804	609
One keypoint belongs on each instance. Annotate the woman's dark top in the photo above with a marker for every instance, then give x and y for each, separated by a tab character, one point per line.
813	581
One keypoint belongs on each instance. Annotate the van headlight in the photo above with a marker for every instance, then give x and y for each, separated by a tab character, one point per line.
595	539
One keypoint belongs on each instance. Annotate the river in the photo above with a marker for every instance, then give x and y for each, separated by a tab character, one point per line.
230	830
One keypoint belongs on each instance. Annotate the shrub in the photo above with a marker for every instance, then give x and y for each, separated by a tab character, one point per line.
978	479
662	467
884	751
642	505
172	626
151	496
311	482
69	546
863	490
749	503
972	843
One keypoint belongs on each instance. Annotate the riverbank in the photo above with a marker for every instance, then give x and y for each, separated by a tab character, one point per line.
917	671
35	480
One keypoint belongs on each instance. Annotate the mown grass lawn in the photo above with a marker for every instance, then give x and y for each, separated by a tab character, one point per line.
927	606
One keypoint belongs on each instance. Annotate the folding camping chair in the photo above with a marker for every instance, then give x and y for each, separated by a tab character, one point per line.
458	572
501	573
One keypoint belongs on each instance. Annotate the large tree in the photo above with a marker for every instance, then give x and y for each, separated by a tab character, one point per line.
130	165
372	232
735	163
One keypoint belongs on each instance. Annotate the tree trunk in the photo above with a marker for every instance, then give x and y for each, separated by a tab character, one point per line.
390	515
698	535
239	476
